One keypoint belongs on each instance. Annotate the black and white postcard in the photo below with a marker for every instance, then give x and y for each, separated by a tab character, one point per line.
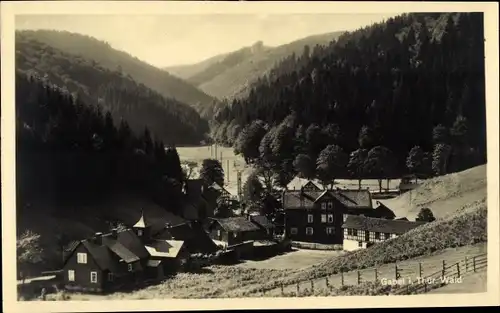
205	155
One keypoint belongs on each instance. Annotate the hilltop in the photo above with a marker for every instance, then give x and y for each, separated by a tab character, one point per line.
444	195
109	58
232	74
168	119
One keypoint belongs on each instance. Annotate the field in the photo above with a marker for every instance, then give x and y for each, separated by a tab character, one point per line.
296	259
231	163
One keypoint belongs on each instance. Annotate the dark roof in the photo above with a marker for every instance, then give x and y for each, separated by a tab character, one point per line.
237	224
262	221
384	210
71	246
101	255
356	198
124	253
352	199
379	225
195	237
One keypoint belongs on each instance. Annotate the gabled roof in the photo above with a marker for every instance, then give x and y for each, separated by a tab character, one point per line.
194	236
101	255
262	221
352	199
379	225
237	224
357	198
124	253
165	248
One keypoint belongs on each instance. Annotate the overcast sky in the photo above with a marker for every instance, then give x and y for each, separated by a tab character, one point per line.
164	40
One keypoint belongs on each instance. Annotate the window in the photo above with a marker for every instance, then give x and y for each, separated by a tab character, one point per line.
329	230
110	277
323	205
344	217
371	236
93	277
387	236
360	244
310	218
377	235
382	236
361	235
218	233
139	232
309	230
330	218
235	235
323	218
130	267
293	231
354	232
81	258
71	275
330	205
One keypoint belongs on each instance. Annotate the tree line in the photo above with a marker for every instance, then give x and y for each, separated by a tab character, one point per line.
71	152
114	91
399	97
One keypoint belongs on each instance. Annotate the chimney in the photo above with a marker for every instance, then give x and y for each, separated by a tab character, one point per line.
98	238
167	225
114	233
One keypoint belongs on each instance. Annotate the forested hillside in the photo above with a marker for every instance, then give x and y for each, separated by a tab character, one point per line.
168	119
232	75
70	153
92	49
406	95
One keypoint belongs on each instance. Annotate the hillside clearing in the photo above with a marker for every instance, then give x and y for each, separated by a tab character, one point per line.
444	195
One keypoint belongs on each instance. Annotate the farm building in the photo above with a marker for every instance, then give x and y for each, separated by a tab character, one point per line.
361	231
107	261
193	234
200	200
234	230
265	225
316	215
382	211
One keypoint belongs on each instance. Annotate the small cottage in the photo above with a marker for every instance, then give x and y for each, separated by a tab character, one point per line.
196	239
361	231
233	230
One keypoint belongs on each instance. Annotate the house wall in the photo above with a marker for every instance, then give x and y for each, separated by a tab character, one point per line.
352	245
82	273
298	218
355	236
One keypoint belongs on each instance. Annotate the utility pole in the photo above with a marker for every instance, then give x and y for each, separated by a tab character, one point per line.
227	170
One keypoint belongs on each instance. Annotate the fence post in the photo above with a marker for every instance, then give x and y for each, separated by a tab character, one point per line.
458	269
396	271
420	269
474	263
341	278
312	285
327	284
444	269
298	289
359	277
282	291
466	265
425	286
376	275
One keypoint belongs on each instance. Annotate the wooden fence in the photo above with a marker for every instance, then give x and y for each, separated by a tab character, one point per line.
416	272
448	272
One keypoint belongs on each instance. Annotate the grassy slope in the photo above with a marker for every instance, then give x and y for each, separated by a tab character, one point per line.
444	195
234	81
188	70
162	82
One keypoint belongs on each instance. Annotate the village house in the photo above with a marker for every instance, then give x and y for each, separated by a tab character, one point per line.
233	230
316	215
265	225
196	239
360	231
199	200
107	261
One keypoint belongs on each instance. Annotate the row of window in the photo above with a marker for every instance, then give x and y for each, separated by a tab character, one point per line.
362	235
324	218
310	230
324	205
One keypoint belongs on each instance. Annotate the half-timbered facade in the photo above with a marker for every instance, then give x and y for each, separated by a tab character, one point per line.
360	231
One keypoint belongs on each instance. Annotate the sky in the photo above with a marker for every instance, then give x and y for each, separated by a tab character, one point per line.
167	40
